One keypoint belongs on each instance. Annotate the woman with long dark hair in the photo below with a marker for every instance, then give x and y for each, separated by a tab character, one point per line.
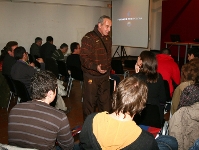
146	69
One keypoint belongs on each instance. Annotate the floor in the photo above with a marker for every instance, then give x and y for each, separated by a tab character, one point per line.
73	102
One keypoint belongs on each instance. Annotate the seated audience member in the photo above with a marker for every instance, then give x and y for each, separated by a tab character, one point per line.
118	130
35	47
9	59
190	70
184	125
190	95
59	53
23	71
47	48
74	59
168	68
177	94
145	68
35	124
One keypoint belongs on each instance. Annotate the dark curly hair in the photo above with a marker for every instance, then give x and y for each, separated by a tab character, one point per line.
130	96
41	83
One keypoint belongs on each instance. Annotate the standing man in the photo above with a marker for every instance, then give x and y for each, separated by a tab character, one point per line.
35	47
47	48
95	58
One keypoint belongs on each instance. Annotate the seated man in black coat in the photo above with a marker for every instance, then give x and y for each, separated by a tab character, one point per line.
23	71
73	62
74	59
9	59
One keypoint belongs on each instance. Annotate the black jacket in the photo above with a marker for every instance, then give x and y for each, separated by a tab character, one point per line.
47	50
23	72
88	141
8	62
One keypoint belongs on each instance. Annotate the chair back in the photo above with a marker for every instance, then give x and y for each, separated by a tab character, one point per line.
167	91
150	116
62	68
22	91
117	66
51	65
10	84
76	73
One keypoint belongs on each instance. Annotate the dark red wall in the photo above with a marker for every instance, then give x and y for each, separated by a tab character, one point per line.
180	17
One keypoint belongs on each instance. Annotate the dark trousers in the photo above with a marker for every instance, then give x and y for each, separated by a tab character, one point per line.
96	93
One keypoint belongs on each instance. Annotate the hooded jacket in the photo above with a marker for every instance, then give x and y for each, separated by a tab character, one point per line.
169	70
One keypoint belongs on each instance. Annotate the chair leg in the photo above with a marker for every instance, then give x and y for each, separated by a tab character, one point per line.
9	100
71	82
81	84
18	100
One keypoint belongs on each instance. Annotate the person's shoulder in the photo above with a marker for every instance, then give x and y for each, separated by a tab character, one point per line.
89	35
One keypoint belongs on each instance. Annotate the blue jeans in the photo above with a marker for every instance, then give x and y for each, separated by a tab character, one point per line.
195	145
166	142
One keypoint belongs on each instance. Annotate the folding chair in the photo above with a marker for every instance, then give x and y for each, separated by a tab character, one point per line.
51	65
63	71
118	68
75	74
22	92
12	89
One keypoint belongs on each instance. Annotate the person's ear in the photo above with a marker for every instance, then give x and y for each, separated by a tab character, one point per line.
99	25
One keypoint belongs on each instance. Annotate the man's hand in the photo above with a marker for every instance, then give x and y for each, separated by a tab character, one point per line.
32	64
100	69
40	60
137	68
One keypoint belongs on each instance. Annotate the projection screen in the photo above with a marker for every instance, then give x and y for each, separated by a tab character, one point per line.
130	23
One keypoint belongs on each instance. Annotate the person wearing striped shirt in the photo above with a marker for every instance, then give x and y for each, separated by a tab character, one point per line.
35	124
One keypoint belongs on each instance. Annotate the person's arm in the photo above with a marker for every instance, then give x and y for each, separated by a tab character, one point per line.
40	60
176	127
87	53
175	76
64	136
55	55
162	93
175	99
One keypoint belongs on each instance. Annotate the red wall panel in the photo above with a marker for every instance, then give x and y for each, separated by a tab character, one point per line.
180	17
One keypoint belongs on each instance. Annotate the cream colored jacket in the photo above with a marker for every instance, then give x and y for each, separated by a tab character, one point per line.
184	126
177	93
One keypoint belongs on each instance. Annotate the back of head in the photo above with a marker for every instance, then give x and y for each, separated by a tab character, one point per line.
37	39
165	51
9	45
149	66
41	83
63	46
73	46
194	51
130	96
49	39
18	53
